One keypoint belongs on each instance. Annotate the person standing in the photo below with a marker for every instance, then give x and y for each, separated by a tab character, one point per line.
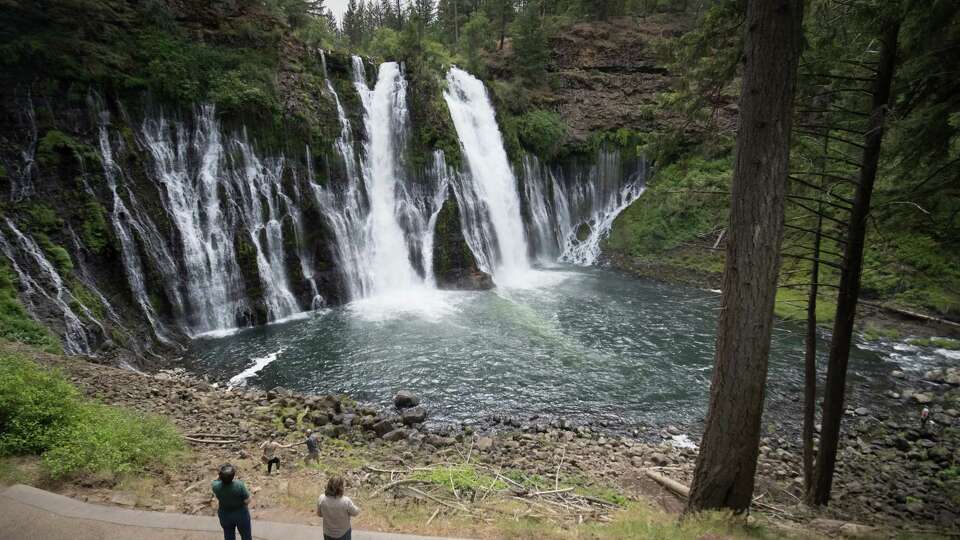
313	447
336	509
234	500
269	448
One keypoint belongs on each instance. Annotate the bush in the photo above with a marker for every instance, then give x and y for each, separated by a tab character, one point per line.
41	413
35	406
111	440
542	132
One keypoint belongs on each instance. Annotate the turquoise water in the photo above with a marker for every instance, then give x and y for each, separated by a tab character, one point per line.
586	344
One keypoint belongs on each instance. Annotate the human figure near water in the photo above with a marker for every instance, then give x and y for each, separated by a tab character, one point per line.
234	501
269	448
336	509
313	447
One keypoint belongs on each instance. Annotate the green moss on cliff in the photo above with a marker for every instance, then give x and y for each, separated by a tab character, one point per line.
15	323
93	229
58	149
684	200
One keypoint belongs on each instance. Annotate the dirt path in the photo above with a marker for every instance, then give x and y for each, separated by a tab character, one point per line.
28	513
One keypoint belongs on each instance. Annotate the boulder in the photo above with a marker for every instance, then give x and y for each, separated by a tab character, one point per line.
484	444
383	427
922	398
414	415
395	435
405	399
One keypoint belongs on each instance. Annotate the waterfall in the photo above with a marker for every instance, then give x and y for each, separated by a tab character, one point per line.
489	192
125	224
214	191
382	219
75	334
208	230
385	119
345	207
570	213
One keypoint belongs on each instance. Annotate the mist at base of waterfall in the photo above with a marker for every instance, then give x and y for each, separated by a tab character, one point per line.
579	343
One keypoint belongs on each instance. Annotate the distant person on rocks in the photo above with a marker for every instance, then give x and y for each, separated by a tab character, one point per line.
336	511
924	418
269	448
234	502
313	447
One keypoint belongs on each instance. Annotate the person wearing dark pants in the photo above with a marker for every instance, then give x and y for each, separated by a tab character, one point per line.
269	448
234	502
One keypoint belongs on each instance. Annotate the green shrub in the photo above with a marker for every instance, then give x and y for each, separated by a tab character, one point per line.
107	439
36	405
56	146
542	132
41	413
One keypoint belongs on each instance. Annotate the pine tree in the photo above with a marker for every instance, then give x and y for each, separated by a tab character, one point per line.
727	461
530	48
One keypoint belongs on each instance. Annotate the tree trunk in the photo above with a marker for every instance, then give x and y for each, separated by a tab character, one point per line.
724	475
850	274
503	27
810	352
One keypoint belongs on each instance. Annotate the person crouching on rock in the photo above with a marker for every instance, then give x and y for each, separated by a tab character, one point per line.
313	447
234	501
336	510
269	448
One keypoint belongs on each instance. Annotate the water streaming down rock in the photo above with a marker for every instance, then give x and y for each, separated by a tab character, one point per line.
52	288
571	209
212	193
129	225
488	194
381	214
213	234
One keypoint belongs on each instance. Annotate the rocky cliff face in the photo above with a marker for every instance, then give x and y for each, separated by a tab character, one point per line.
610	75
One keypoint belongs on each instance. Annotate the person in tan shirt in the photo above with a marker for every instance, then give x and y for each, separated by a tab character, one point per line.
336	509
269	448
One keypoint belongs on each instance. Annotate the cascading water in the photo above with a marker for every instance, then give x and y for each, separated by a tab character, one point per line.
229	191
571	214
230	238
125	225
385	117
488	194
52	289
381	218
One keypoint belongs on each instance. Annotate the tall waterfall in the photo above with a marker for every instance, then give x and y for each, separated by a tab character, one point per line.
489	192
382	219
385	117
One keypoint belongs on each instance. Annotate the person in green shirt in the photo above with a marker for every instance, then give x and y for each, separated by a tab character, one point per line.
234	499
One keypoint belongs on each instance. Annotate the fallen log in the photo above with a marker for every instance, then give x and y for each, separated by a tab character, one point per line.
668	483
209	441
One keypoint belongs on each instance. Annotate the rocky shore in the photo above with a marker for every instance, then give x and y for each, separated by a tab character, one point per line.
891	472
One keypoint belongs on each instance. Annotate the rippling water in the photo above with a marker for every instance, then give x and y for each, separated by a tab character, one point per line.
587	344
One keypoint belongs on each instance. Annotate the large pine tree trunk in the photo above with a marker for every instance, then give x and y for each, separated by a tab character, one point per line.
835	387
724	475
